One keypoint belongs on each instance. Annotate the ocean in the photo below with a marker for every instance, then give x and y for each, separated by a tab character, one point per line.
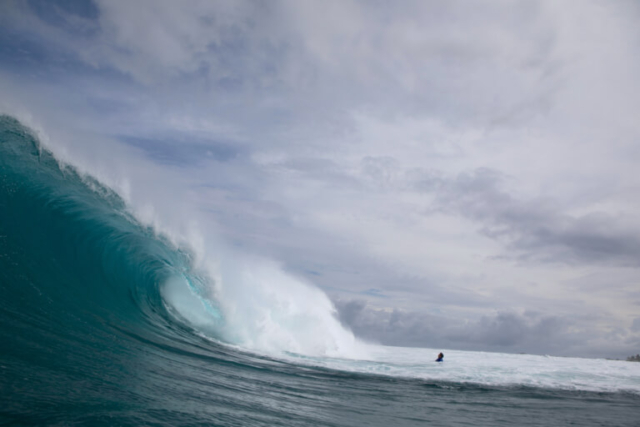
106	321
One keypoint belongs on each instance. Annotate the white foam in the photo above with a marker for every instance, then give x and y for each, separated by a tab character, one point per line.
263	309
495	369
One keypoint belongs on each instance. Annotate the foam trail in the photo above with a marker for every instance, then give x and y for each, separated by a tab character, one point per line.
494	369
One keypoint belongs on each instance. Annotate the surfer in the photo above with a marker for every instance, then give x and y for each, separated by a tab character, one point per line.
440	357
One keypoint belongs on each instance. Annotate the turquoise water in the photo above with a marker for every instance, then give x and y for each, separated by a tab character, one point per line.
87	337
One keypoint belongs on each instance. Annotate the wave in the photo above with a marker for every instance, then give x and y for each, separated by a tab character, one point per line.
88	245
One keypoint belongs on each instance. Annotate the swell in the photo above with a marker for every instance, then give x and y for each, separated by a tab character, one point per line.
80	277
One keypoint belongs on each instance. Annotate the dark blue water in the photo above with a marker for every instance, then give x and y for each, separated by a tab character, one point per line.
85	338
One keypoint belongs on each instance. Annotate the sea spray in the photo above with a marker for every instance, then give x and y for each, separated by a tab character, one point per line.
274	311
255	305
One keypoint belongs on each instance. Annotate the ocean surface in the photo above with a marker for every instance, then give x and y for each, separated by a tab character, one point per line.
105	321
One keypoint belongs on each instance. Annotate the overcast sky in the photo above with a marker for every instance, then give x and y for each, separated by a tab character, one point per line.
452	174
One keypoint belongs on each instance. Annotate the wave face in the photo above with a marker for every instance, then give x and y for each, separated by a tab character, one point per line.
105	322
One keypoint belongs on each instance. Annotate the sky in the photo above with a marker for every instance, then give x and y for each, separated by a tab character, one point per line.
455	175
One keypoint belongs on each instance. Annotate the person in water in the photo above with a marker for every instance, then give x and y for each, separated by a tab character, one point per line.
440	357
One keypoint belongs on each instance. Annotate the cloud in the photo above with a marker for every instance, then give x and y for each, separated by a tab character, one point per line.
537	229
501	331
345	53
531	229
203	38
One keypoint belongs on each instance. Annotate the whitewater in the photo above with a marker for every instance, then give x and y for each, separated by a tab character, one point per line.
106	319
